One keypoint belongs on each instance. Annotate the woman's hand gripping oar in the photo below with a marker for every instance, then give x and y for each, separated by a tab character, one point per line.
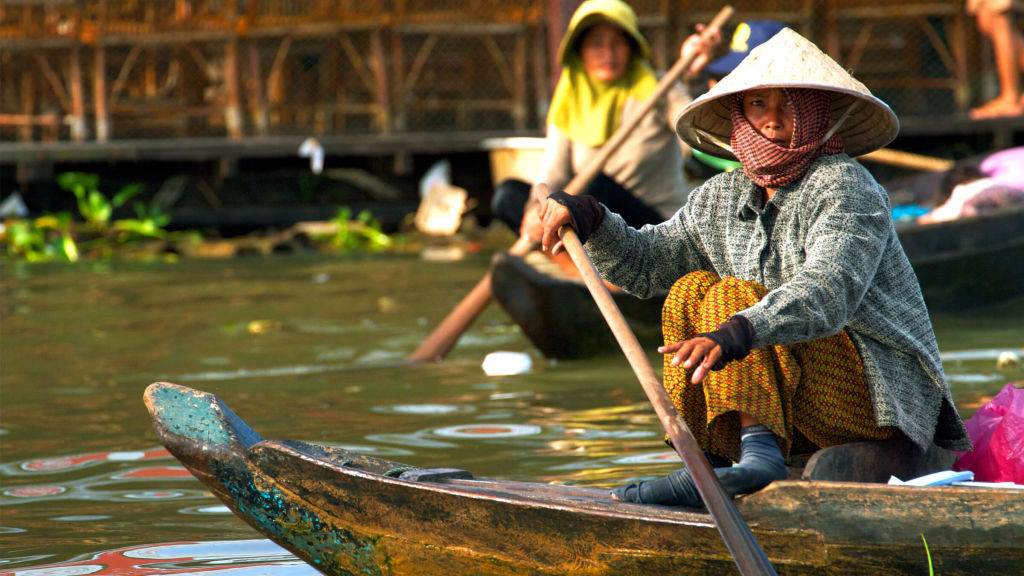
448	332
745	550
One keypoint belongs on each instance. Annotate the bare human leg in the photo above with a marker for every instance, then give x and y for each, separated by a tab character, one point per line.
1007	46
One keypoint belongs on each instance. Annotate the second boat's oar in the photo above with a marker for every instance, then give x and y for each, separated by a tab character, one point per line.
746	552
448	332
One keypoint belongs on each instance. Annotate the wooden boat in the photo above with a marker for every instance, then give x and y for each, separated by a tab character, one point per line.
960	264
969	262
348	513
557	313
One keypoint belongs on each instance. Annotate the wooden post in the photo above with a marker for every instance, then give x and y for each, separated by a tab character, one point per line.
329	100
958	44
233	106
78	132
256	91
99	93
28	104
519	88
832	43
275	81
149	88
541	78
559	14
398	70
380	76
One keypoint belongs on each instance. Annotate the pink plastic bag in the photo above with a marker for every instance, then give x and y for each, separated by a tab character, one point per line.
997	432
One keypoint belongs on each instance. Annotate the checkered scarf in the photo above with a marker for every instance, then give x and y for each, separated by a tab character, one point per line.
773	166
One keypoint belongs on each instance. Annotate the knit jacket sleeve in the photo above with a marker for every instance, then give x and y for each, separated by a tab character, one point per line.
647	261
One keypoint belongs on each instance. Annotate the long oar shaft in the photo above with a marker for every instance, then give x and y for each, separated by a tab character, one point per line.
908	160
746	552
448	332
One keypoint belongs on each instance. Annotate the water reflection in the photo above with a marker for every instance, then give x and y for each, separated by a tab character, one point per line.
75	462
231	557
497	431
118	487
423	409
84	484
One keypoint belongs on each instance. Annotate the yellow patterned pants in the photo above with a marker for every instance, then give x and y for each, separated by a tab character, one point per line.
811	394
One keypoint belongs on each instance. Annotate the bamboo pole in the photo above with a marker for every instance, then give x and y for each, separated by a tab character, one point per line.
908	160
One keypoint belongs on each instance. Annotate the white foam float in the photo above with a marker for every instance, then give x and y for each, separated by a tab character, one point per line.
507	363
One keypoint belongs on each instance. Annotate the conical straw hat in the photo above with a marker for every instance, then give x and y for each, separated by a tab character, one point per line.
789	60
594	11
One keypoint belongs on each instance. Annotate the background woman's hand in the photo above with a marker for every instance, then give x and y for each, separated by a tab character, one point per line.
552	216
699	352
531	226
703	50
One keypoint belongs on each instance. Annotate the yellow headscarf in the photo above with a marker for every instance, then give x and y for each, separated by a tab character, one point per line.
586	110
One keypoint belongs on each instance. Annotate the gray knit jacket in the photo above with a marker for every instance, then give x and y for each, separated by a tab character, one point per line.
826	250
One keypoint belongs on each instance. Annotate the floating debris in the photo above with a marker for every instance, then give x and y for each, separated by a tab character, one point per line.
1008	360
507	363
263	326
387	304
449	253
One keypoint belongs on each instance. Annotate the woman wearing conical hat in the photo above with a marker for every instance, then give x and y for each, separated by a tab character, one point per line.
794	320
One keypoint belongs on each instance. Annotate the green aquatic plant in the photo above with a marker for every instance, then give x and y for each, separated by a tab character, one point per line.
42	239
57	237
94	206
931	569
150	222
362	232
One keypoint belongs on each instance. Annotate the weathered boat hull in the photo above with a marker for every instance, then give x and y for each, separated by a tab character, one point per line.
970	262
960	265
347	513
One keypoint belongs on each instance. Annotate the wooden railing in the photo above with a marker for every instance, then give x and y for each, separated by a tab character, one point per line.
99	70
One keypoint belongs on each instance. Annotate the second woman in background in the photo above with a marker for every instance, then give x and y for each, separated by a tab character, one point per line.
606	76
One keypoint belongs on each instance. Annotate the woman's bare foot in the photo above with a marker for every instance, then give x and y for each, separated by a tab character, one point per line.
999	108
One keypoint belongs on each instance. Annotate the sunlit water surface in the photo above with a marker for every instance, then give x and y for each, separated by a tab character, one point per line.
308	348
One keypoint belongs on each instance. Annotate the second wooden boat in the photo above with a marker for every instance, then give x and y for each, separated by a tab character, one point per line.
961	264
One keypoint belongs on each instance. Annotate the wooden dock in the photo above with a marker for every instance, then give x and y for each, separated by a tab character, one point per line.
221	80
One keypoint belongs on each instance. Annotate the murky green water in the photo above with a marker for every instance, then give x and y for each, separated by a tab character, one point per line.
303	347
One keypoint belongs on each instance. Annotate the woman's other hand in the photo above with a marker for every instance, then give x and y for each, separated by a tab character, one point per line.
700	353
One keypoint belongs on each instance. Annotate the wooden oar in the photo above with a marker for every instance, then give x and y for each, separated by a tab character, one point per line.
448	332
746	552
908	160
